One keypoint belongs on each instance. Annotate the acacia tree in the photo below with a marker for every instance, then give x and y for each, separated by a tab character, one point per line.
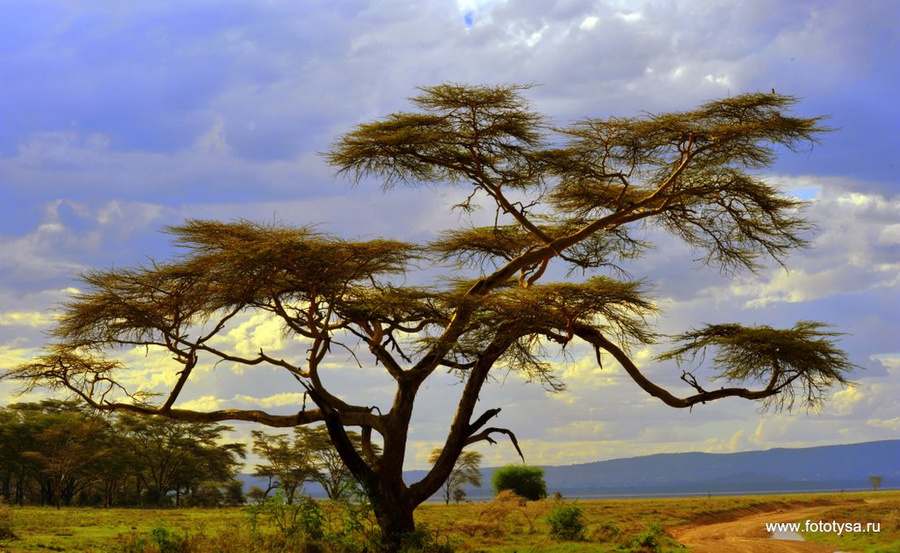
287	465
465	471
574	197
876	480
177	455
329	470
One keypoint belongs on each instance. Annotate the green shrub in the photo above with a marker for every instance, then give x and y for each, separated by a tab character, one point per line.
159	540
304	516
566	522
648	541
605	532
524	480
170	542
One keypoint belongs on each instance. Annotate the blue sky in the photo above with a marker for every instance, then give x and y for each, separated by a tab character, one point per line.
120	118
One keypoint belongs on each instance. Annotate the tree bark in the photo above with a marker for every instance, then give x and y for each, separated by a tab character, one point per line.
393	511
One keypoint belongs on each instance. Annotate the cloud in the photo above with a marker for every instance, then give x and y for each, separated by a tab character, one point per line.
853	252
33	319
242	401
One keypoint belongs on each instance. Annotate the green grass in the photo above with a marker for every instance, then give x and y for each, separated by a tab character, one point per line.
500	527
882	508
97	530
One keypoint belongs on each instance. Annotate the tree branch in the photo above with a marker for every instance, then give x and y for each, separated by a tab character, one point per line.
485	436
595	338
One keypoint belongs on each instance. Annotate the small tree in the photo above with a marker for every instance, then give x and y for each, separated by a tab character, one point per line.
328	469
287	466
566	522
525	481
875	480
464	472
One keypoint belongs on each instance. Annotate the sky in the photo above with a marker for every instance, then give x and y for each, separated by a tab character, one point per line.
118	118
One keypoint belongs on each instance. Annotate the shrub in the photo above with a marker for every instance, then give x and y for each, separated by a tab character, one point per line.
647	541
605	532
524	480
159	540
170	542
496	512
304	516
566	522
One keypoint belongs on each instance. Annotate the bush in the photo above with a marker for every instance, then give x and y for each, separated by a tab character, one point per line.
648	541
160	540
525	481
566	522
605	532
304	516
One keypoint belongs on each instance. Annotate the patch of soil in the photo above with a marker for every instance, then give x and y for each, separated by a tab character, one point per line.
743	532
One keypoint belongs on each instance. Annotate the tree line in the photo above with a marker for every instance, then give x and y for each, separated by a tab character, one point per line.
65	453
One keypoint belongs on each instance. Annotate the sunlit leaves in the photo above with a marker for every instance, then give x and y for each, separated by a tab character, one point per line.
802	360
463	133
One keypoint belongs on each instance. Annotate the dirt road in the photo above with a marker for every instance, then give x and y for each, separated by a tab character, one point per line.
748	534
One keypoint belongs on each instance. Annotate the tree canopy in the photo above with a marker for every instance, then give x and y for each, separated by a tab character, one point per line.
61	452
465	472
525	481
576	197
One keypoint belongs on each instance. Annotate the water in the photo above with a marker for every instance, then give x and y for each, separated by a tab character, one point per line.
791	536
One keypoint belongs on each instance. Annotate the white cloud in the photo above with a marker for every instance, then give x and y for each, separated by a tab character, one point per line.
33	319
851	253
589	22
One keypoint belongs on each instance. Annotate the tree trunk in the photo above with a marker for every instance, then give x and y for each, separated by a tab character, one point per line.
393	512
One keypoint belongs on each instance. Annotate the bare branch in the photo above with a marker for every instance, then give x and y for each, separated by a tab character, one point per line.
485	436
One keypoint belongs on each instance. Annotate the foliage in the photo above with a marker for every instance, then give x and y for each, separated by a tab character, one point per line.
527	482
459	494
464	472
566	521
650	540
804	354
300	517
492	517
170	542
287	464
159	540
309	457
57	453
572	200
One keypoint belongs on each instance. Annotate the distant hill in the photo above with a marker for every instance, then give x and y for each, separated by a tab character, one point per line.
825	468
822	468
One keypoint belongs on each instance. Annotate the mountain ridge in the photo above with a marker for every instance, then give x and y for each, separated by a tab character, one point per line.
780	469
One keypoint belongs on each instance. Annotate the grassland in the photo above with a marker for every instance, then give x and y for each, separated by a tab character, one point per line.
497	527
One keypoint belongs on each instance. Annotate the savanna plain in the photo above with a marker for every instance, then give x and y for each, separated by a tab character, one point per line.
503	525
